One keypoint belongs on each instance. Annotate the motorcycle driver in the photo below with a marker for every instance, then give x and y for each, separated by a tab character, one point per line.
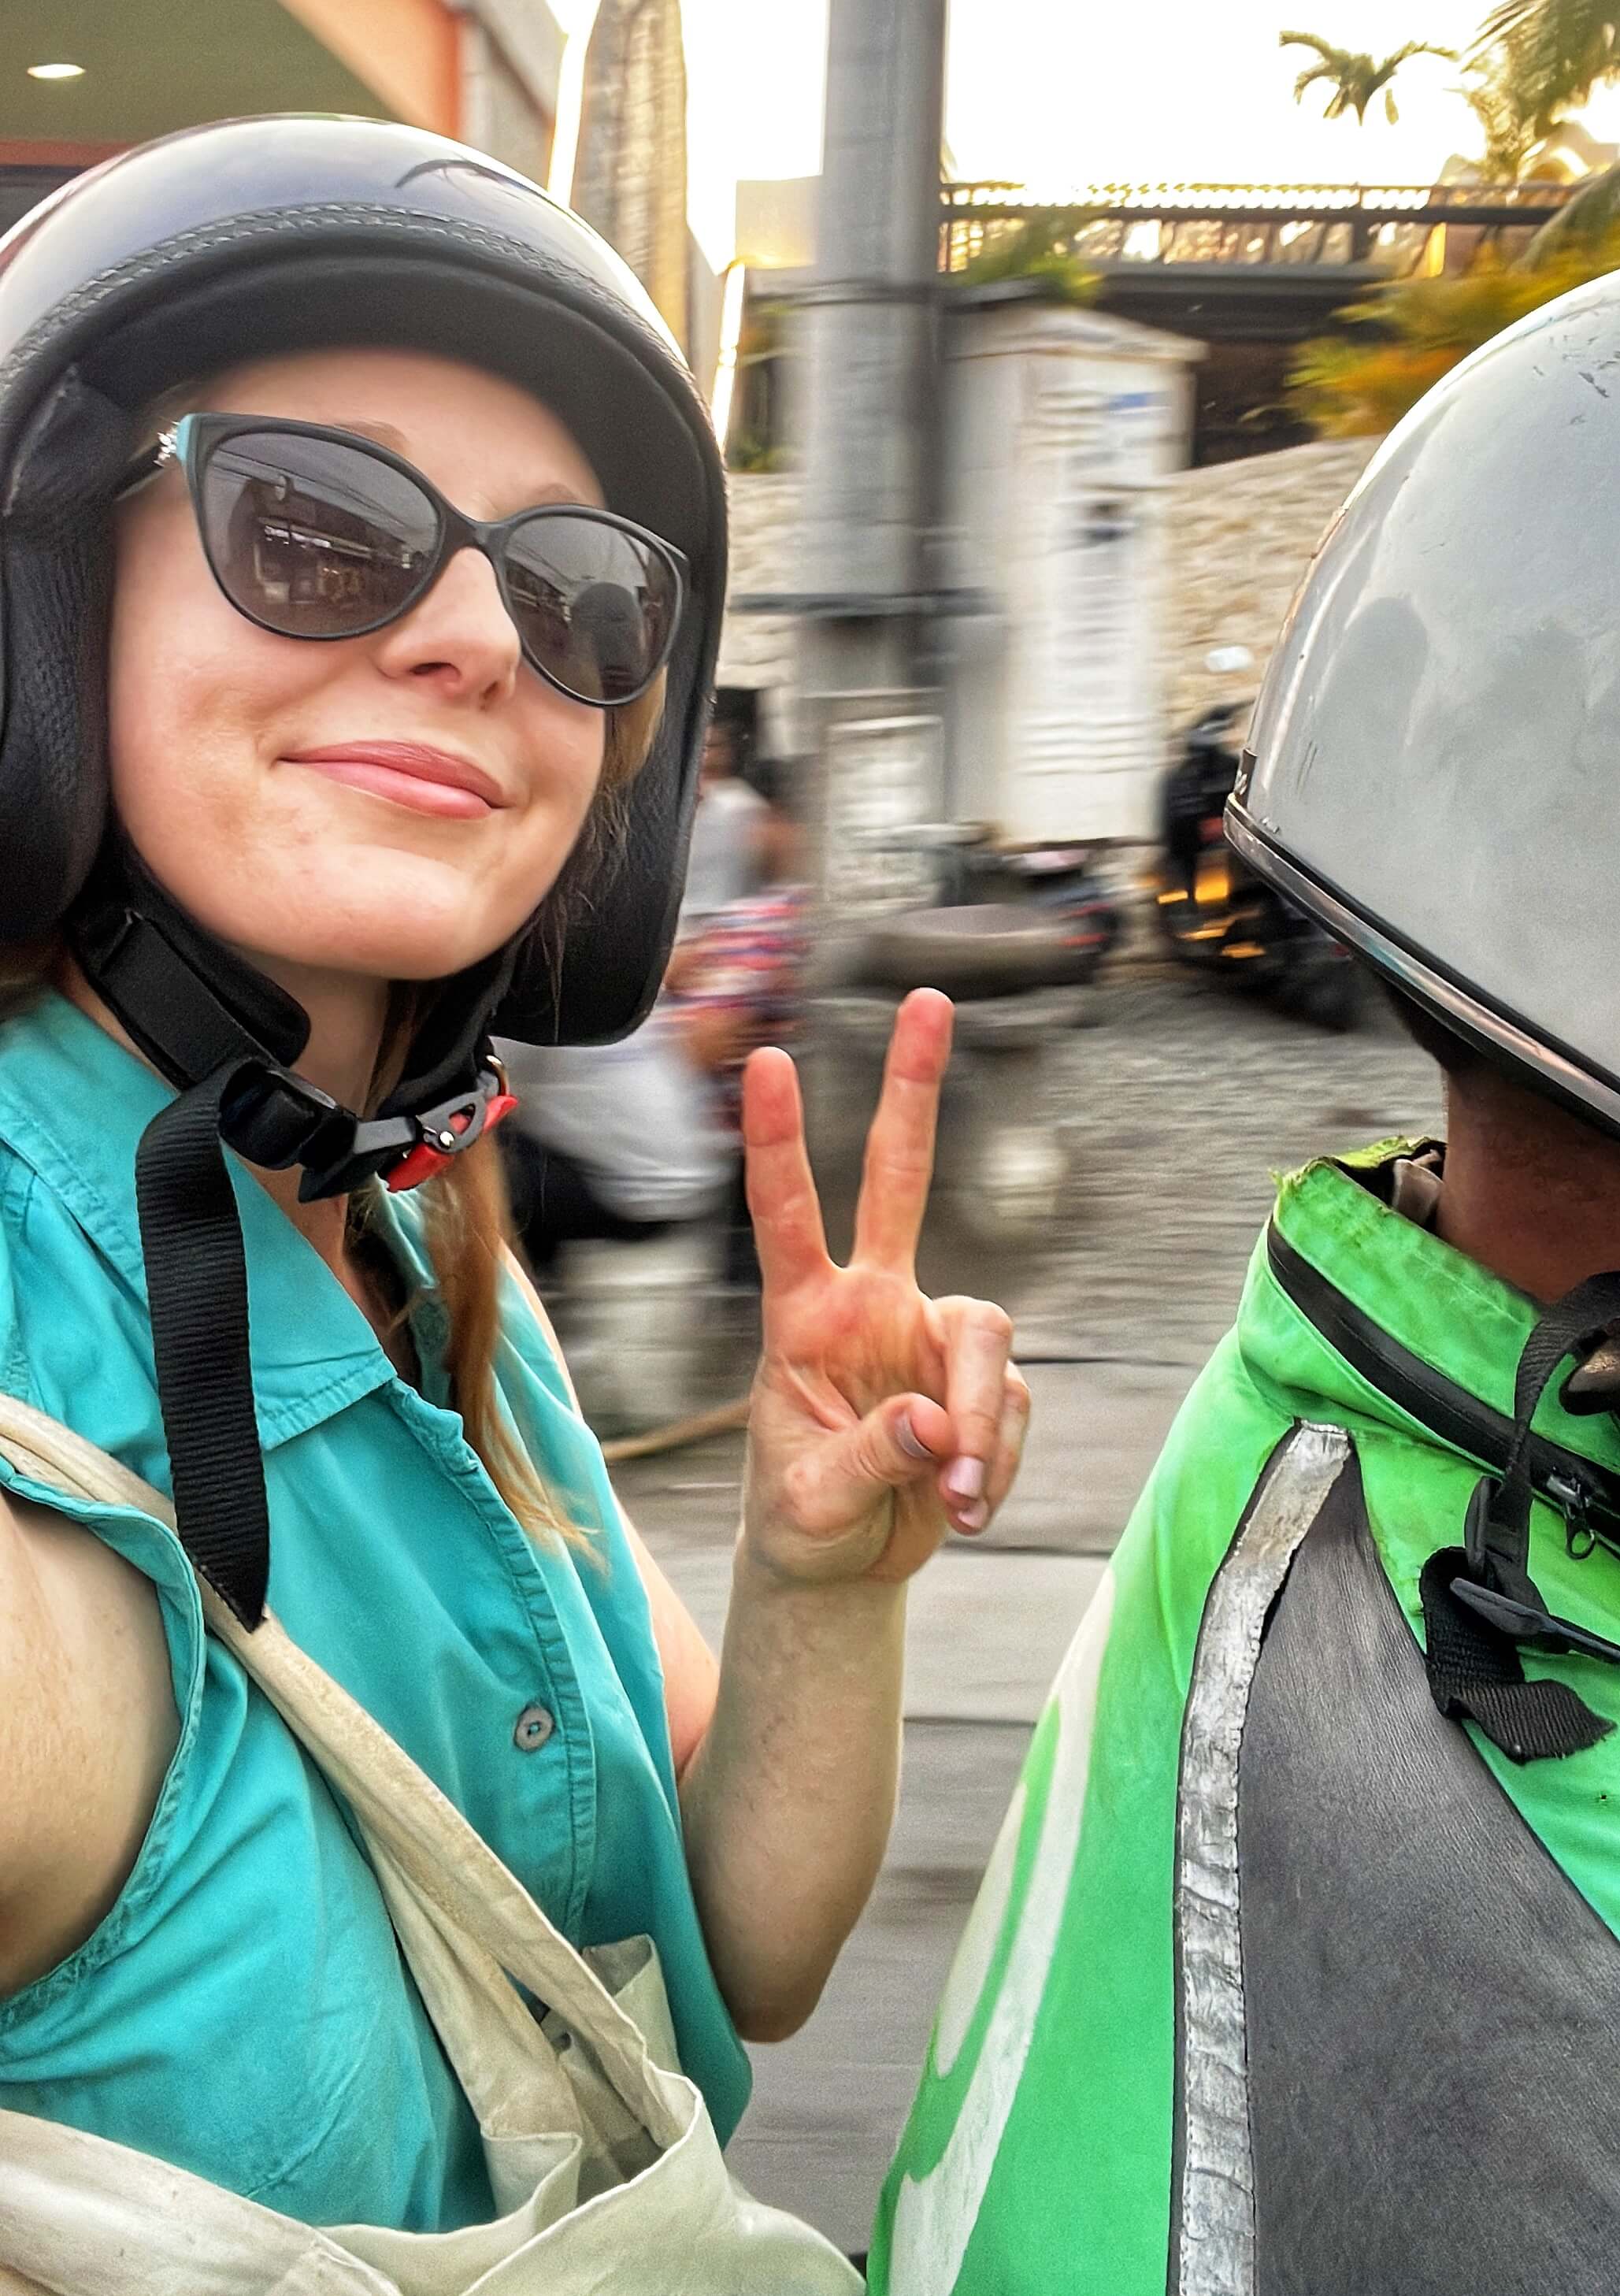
1295	1967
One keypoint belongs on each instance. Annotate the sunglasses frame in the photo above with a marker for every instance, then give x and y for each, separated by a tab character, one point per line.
194	440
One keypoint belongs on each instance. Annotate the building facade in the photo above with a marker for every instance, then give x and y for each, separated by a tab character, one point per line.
486	71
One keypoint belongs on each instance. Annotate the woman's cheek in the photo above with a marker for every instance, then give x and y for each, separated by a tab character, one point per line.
565	785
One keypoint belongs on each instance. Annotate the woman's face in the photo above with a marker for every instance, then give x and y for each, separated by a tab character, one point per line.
214	721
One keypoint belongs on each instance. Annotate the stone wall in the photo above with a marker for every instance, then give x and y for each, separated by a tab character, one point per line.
757	649
1241	535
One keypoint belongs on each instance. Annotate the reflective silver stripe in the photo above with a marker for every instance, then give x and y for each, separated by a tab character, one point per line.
1215	2249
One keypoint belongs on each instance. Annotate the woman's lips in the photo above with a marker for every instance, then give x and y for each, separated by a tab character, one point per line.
405	773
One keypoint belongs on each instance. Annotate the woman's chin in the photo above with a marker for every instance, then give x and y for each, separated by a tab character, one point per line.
418	929
387	953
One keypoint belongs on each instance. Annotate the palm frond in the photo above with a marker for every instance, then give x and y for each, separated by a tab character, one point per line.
1412	331
1356	78
1561	48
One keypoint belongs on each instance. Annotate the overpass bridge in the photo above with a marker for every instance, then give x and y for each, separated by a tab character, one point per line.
1331	227
1250	270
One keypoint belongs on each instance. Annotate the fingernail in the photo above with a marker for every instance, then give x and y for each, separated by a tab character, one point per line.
966	1479
974	1517
910	1441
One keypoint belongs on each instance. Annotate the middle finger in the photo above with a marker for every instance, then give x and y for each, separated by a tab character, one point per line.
900	1145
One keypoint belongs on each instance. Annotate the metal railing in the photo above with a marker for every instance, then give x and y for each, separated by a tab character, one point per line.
1313	224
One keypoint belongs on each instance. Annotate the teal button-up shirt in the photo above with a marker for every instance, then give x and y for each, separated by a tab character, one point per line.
243	2010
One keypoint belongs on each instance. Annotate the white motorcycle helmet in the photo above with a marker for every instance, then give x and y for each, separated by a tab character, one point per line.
1433	768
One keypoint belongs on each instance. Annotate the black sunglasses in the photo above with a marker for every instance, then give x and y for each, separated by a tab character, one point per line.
316	533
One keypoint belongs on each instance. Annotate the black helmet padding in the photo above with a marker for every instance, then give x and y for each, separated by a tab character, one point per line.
262	236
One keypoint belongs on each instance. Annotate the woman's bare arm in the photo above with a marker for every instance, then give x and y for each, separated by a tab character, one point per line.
692	1672
88	1731
879	1418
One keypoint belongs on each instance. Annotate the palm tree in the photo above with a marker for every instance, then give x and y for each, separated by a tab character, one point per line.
1563	48
1356	79
1560	50
1509	137
1505	99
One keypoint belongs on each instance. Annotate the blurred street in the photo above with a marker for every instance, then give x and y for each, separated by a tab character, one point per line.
1176	1105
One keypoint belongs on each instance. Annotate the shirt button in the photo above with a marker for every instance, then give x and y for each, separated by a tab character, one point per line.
534	1727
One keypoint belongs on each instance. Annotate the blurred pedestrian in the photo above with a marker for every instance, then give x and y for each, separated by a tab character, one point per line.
731	855
611	1142
738	985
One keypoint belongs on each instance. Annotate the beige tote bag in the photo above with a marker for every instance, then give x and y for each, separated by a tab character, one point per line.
606	2170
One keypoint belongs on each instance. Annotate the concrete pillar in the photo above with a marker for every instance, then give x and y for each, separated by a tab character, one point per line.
868	329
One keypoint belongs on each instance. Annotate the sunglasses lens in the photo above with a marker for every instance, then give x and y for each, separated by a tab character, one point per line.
596	607
312	538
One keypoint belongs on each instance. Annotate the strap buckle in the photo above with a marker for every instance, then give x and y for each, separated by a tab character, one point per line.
277	1118
442	1133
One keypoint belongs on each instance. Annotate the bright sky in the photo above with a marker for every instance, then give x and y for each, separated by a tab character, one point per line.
1049	93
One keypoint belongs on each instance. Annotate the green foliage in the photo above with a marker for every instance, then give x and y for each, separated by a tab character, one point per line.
1414	331
766	333
1563	49
751	453
1590	216
1354	79
1506	101
1041	249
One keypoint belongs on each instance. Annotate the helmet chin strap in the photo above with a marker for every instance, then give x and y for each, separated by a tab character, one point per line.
226	1038
192	1005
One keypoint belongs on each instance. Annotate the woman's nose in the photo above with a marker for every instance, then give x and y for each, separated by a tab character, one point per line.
459	636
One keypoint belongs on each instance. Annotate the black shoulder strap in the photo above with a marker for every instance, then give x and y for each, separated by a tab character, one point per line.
1480	1604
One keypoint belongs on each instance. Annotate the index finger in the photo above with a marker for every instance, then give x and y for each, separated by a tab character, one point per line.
783	1201
900	1145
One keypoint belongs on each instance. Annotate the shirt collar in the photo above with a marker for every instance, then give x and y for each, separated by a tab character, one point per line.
73	1104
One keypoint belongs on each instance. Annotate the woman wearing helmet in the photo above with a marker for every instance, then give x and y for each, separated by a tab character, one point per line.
361	569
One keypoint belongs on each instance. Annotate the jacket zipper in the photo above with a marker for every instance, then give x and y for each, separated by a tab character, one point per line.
1586	1495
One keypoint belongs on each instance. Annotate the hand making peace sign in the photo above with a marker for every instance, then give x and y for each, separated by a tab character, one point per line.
881	1417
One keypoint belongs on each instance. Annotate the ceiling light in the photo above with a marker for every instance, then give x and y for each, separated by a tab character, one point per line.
56	71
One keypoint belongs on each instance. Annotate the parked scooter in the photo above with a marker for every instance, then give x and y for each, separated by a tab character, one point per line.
1061	882
1001	922
1216	914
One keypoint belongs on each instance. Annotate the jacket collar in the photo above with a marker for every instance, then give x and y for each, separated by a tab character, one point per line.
1340	1272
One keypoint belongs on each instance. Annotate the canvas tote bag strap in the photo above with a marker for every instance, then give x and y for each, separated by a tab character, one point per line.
81	2216
407	1820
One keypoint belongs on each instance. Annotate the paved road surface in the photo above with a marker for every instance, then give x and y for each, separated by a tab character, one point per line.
1176	1106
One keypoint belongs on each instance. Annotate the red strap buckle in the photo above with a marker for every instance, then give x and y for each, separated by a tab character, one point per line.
426	1161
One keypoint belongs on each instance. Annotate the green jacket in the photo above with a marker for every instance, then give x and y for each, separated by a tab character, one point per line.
1277	1979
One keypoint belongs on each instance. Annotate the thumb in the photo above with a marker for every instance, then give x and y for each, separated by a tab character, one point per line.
904	1441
